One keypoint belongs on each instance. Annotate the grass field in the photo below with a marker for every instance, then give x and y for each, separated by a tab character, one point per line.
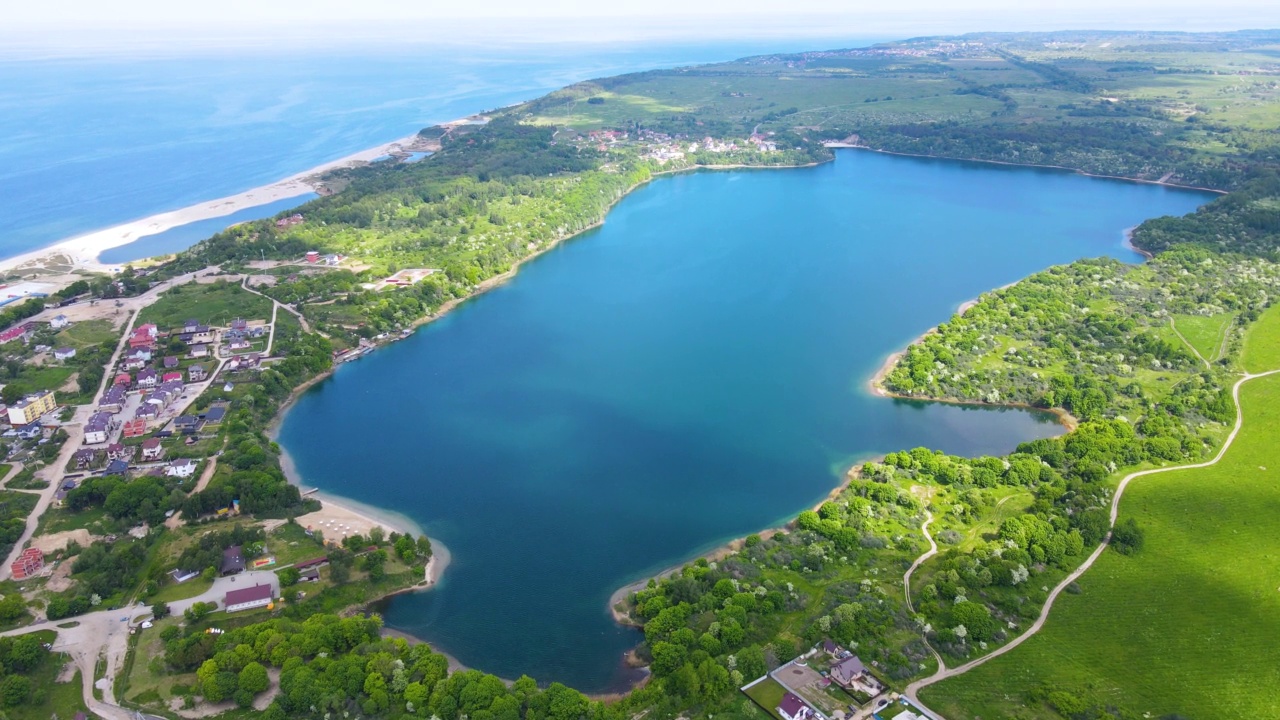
214	304
1262	343
1186	626
89	332
1205	334
768	695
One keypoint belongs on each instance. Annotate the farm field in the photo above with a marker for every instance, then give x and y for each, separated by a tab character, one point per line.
1183	627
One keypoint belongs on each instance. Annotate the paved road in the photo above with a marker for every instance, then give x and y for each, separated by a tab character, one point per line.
943	673
106	633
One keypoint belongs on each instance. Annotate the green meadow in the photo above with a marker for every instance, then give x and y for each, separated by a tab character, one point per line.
1187	626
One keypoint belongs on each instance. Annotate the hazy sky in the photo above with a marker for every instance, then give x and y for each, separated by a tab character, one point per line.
42	22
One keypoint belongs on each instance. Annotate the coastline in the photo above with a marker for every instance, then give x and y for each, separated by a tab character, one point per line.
82	251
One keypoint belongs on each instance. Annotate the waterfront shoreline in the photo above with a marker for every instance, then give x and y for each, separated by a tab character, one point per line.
81	251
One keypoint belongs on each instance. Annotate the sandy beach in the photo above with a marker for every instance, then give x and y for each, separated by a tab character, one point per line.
82	251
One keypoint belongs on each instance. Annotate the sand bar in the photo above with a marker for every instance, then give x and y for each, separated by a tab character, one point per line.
82	251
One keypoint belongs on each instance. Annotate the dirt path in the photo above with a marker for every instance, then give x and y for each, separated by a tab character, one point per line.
1174	327
13	470
914	688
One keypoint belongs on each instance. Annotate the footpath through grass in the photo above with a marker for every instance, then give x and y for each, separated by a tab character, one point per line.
1205	334
1188	625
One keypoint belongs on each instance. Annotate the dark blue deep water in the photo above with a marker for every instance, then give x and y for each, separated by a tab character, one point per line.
692	371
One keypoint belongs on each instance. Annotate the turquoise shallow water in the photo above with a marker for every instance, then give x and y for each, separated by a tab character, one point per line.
692	371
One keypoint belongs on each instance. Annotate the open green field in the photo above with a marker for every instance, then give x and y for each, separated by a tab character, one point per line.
768	695
1262	343
214	304
1205	334
89	332
1186	626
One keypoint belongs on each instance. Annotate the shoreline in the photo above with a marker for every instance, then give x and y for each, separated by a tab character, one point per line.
82	251
852	146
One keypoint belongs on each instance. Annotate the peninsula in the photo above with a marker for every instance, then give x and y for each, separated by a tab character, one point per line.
126	487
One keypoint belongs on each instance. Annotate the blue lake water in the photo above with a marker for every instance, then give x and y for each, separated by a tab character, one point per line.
692	371
91	143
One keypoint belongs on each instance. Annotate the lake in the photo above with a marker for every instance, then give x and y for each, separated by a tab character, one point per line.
692	371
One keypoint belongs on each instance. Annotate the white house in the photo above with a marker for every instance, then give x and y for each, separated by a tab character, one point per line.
247	598
65	353
59	322
181	468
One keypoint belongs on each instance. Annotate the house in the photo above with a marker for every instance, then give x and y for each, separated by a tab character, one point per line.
113	399
183	468
312	563
98	428
171	377
214	415
232	561
29	432
793	708
147	411
290	221
123	379
312	256
312	575
117	467
116	451
59	322
144	337
85	457
199	350
28	563
65	353
202	336
31	408
191	326
239	345
248	598
170	362
239	325
152	449
186	424
136	427
147	378
18	332
196	373
181	576
848	670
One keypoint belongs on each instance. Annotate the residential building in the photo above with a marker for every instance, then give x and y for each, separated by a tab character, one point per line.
117	467
186	424
136	427
232	561
116	451
182	468
31	408
170	362
147	411
28	563
85	457
18	332
239	345
214	415
199	350
196	373
144	337
247	598
239	324
848	670
99	428
147	378
65	353
171	377
124	379
113	399
59	322
152	449
793	708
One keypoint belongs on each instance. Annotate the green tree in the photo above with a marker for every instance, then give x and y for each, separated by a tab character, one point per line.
253	678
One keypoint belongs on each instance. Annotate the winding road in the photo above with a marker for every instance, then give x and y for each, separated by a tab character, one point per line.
944	673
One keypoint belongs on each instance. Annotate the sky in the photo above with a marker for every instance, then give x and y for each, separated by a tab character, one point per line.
126	23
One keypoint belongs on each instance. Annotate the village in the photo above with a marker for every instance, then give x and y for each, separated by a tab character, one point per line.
828	682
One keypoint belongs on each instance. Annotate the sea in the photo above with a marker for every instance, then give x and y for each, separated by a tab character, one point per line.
693	371
91	142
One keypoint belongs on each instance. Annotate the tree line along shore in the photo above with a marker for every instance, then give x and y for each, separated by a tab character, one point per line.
1141	356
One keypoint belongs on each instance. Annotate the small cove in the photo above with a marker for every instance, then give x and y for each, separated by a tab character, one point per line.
692	371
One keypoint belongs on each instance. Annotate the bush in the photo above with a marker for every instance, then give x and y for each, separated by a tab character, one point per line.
1127	538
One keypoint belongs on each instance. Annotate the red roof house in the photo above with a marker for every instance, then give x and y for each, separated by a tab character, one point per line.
28	563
